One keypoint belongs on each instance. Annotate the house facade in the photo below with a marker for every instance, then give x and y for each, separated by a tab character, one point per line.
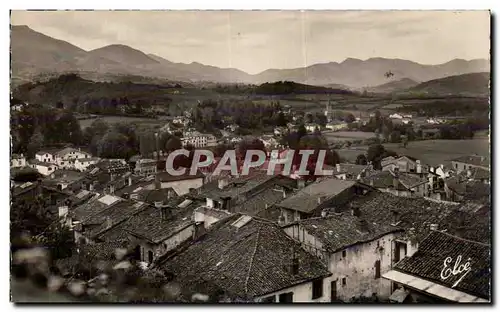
356	263
18	161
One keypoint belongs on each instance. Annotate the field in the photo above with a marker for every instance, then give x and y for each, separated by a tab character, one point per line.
432	152
333	137
116	119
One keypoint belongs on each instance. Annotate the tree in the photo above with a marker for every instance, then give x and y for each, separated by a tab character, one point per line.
405	141
36	143
317	131
309	118
395	137
375	154
361	160
281	120
301	131
174	143
350	118
68	129
113	145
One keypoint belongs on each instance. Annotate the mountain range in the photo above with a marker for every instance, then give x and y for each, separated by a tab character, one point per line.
34	54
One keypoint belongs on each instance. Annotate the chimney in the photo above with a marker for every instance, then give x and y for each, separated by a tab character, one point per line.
337	166
111	189
199	230
281	220
371	181
324	213
295	262
109	223
112	176
223	183
395	217
158	204
129	181
321	199
226	203
164	213
434	227
157	182
469	173
301	183
441	166
284	193
364	226
419	166
356	211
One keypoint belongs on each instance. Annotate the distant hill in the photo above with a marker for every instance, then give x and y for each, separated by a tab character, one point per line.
474	84
393	86
34	53
289	87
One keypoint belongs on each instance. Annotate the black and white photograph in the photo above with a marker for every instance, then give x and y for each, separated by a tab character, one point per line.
250	156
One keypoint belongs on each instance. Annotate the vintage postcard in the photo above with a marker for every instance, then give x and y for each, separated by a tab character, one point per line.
250	156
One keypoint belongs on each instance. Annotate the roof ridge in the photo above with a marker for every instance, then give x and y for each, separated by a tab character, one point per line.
252	259
460	238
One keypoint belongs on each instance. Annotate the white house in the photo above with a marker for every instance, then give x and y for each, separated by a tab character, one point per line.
17	161
311	127
396	116
356	251
43	168
66	157
82	164
336	125
48	156
63	158
198	139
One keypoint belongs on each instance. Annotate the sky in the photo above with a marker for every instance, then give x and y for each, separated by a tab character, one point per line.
254	41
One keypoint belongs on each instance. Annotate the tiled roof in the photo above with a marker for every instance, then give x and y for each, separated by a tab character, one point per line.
385	179
306	200
428	263
116	213
349	169
476	174
339	231
245	262
88	159
151	196
474	160
51	151
474	224
471	190
137	183
413	214
239	186
260	201
166	177
40	163
148	223
65	176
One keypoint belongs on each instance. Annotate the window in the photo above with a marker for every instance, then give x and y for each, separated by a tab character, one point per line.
286	297
344	281
377	269
268	299
456	166
317	289
150	256
344	253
